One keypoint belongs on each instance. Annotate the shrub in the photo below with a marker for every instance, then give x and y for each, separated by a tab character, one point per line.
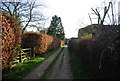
41	42
11	39
55	43
61	43
100	53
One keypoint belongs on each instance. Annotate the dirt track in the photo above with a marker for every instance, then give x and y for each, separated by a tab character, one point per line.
38	72
61	69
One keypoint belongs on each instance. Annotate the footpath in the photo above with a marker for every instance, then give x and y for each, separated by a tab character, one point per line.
61	69
39	71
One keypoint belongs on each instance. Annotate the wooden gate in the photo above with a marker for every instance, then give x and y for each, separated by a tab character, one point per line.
23	54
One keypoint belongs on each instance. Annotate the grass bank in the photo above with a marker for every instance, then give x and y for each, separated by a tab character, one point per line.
79	71
22	69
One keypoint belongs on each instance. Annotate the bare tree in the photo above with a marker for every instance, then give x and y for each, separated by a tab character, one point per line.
90	18
101	19
25	11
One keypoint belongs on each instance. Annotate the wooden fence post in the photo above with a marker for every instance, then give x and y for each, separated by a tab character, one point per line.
20	60
32	52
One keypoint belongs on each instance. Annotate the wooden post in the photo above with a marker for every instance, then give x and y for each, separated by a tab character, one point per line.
32	52
20	60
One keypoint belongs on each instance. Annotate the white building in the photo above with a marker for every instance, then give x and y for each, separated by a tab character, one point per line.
119	12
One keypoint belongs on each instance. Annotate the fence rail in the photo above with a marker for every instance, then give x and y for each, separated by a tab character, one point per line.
23	54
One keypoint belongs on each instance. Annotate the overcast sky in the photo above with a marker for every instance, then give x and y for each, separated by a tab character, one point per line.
74	13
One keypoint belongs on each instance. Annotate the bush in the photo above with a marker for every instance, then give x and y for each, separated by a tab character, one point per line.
61	42
41	42
11	40
100	53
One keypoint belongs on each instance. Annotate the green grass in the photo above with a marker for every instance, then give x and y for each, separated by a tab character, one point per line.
51	65
22	69
79	71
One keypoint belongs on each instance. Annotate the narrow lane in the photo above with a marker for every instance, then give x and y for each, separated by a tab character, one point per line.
39	71
61	69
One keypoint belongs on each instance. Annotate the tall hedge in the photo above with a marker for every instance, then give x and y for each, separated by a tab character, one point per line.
101	54
41	42
11	39
61	42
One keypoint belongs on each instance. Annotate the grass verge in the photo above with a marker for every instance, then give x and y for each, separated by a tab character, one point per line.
51	65
22	69
79	71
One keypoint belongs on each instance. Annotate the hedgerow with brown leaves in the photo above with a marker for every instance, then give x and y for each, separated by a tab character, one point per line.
11	39
41	42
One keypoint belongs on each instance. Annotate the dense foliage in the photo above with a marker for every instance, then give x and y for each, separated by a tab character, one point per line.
41	42
100	53
56	28
11	39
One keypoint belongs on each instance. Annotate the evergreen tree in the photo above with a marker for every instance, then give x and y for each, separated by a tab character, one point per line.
56	28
